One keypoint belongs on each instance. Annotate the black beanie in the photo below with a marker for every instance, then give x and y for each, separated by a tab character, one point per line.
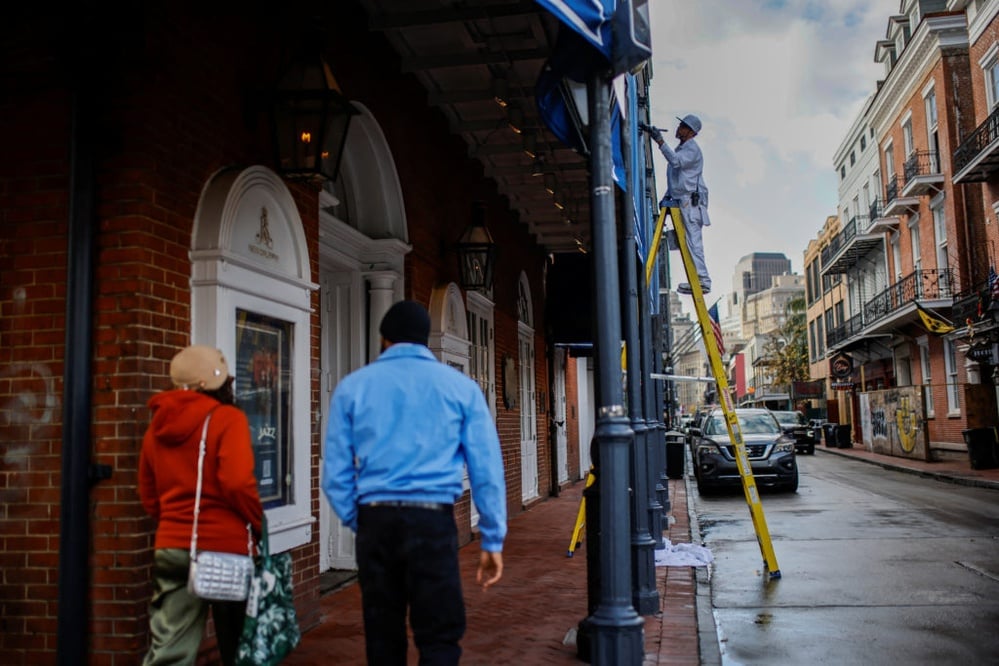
406	321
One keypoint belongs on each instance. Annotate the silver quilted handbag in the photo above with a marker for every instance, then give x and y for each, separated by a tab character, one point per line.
217	576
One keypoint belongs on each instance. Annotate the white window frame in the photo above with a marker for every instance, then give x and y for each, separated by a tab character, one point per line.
914	243
896	253
953	388
924	365
889	154
990	71
482	364
908	139
235	267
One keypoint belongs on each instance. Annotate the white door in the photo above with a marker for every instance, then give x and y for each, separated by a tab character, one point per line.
341	345
528	418
587	409
558	416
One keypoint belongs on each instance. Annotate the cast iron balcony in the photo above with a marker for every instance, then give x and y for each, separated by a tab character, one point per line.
895	306
977	158
922	174
896	202
880	222
850	245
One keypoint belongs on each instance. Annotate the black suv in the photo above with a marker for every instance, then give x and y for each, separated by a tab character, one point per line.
795	425
770	452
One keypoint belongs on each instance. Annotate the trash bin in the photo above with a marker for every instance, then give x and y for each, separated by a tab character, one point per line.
829	430
843	436
675	454
982	448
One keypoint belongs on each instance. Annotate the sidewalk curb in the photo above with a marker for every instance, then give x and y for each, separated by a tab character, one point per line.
707	631
938	476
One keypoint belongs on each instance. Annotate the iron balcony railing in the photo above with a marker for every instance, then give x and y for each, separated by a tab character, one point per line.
931	284
977	141
921	163
874	212
891	189
858	224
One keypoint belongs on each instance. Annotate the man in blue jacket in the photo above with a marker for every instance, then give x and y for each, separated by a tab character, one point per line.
401	432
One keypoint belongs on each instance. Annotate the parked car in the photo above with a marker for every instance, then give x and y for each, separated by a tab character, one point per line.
769	449
794	424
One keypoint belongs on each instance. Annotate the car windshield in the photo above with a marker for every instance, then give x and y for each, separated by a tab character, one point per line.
790	418
755	423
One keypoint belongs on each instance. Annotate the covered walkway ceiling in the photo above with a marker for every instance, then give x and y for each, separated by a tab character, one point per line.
479	61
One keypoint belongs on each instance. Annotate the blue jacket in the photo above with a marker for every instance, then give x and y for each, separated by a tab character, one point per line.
404	428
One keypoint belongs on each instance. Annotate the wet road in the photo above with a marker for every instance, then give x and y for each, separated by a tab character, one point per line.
878	567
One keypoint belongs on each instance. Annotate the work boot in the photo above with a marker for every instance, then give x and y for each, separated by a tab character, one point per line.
684	288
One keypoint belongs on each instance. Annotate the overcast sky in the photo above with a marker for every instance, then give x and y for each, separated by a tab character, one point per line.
776	83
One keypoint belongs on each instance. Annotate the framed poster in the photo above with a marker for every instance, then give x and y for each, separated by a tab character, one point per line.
263	392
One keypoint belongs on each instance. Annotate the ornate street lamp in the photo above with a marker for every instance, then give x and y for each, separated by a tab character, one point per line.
311	117
476	252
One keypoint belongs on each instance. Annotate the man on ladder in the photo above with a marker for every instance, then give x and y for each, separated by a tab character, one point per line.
686	204
686	190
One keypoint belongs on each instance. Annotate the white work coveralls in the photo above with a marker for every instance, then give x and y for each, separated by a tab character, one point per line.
684	176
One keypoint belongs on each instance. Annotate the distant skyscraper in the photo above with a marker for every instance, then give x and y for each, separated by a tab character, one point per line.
755	272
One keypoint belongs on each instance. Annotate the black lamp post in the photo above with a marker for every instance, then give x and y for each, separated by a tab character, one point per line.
311	118
476	252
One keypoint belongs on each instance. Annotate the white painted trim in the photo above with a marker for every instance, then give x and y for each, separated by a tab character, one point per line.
249	252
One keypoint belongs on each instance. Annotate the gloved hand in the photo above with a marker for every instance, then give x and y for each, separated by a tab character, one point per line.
653	132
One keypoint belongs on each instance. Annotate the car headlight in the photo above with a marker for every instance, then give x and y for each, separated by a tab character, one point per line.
706	446
784	445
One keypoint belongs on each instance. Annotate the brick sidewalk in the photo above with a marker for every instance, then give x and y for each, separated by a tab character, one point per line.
525	619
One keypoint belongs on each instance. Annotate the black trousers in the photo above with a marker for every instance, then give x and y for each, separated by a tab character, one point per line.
408	557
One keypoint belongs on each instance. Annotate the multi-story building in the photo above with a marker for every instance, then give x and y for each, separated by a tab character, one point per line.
918	115
976	172
764	315
825	301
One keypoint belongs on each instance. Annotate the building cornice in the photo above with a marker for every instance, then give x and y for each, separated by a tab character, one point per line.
934	34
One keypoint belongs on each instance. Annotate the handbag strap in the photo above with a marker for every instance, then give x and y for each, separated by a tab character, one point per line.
197	497
197	492
265	544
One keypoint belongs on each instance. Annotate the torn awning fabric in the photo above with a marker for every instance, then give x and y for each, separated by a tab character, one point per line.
594	35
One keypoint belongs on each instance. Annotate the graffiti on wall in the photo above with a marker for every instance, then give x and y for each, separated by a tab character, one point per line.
32	402
898	426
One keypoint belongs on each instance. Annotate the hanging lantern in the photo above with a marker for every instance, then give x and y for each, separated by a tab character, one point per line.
311	118
476	252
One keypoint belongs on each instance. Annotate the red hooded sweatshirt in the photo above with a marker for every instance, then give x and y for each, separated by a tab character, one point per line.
168	473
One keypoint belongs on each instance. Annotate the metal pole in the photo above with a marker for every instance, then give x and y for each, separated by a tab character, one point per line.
74	523
644	595
655	442
617	630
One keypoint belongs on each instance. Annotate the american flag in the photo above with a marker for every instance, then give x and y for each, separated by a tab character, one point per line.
993	284
716	327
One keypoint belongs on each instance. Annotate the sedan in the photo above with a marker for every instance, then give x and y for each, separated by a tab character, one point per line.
794	424
770	452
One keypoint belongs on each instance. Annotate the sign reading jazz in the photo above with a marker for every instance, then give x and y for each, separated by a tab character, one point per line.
898	426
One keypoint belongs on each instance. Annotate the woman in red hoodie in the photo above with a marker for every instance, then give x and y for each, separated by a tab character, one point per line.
168	476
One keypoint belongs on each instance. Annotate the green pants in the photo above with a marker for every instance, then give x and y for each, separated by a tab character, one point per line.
177	617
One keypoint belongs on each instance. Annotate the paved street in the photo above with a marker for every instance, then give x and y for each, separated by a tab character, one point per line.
877	567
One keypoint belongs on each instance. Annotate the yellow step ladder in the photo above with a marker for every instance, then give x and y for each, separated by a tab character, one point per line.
724	397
